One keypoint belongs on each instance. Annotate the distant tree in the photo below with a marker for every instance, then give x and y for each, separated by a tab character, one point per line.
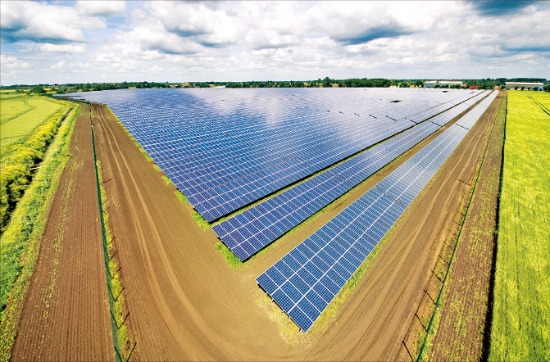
547	87
37	90
62	89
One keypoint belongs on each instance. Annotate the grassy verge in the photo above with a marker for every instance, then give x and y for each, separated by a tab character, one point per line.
228	255
20	243
520	327
119	305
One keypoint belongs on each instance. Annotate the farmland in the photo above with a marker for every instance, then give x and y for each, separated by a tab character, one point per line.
65	314
128	190
31	165
183	300
28	127
521	323
460	323
21	114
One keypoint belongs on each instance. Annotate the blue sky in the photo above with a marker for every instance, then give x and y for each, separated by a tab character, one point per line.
112	41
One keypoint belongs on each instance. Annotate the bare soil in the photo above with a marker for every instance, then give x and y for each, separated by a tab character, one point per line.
460	334
65	314
186	303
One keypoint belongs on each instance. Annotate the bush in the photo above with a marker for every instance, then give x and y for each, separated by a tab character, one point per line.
37	90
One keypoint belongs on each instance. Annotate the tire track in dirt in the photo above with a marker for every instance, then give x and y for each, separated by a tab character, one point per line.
461	328
124	168
65	314
388	294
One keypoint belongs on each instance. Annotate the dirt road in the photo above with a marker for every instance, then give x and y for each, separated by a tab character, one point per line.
461	329
65	315
186	303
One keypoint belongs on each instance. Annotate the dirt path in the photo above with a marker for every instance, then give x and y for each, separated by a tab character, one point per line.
461	328
65	315
186	303
375	320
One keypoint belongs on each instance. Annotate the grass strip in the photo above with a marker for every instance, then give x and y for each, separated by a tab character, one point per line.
116	289
228	255
121	342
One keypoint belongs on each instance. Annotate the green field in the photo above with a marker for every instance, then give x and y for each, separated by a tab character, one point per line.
28	126
20	114
521	322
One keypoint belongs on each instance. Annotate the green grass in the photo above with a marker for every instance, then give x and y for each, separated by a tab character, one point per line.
20	243
228	255
116	287
21	114
521	322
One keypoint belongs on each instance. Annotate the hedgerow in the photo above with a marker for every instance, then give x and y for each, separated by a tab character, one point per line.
21	161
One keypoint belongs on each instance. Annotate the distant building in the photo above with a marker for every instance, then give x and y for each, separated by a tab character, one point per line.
473	87
525	85
443	83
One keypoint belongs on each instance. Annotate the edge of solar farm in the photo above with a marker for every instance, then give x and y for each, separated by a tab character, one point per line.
307	279
255	228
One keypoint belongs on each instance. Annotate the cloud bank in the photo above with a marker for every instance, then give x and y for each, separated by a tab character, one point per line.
101	41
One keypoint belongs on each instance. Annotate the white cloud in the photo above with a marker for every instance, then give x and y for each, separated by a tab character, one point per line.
40	22
101	8
63	48
202	41
10	62
59	65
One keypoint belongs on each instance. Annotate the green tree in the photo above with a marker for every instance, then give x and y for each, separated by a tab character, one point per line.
37	90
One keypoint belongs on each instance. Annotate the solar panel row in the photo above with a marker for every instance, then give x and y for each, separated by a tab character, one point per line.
253	229
226	148
306	280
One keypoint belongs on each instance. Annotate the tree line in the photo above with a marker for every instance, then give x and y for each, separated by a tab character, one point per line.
484	83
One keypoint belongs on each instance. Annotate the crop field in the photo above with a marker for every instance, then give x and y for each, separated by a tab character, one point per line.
521	323
328	202
20	115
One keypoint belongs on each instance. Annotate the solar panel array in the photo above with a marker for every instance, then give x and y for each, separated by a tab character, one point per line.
253	229
225	149
306	280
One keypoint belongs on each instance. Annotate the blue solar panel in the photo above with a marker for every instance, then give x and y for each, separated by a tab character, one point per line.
227	148
305	280
250	231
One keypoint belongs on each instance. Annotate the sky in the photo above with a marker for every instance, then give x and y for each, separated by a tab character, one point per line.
170	41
